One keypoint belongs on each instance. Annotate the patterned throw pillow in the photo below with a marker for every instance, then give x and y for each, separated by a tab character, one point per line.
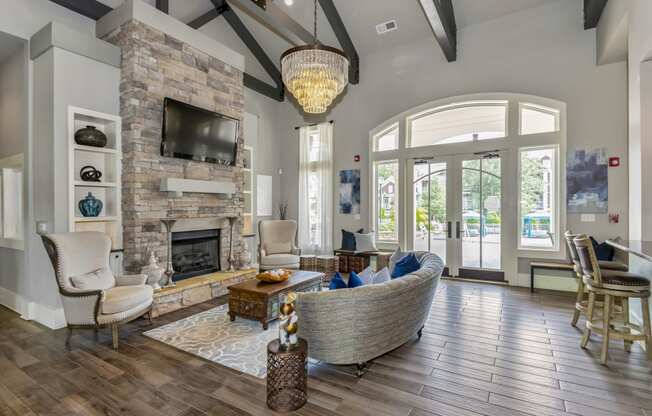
367	276
382	276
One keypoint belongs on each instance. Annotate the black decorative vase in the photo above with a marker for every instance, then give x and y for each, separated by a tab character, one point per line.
90	206
90	136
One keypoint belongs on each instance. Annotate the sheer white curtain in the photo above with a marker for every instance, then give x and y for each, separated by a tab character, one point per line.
316	189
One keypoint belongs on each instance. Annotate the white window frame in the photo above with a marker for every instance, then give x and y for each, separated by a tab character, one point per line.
542	109
454	106
384	132
376	202
555	196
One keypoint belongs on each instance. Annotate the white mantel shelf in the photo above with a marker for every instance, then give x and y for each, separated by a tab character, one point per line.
178	186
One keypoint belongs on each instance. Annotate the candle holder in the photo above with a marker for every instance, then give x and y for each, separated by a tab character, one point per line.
232	221
169	270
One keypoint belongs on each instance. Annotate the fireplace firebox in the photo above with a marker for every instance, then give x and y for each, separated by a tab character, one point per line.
195	253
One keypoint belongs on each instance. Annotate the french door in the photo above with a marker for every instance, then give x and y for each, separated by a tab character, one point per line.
455	205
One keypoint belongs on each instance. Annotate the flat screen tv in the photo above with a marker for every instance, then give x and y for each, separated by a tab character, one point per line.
193	133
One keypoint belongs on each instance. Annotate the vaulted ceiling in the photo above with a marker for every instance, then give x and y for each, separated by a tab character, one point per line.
360	18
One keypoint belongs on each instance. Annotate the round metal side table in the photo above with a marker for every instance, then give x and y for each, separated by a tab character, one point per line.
287	376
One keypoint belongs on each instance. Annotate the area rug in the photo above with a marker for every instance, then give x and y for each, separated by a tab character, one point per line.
241	345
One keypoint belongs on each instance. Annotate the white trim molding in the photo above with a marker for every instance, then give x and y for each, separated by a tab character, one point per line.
32	311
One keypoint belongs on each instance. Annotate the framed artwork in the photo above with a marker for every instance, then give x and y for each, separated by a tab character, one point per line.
587	185
350	191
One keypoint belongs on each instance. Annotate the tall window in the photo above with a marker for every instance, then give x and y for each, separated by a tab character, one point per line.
538	198
386	185
316	188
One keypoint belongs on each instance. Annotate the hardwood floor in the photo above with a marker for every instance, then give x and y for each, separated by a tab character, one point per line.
486	350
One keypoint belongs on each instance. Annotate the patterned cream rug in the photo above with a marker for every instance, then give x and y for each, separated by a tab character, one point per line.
241	345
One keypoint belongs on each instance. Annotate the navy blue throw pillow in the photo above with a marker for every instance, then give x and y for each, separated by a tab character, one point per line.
354	280
348	240
406	265
603	251
337	282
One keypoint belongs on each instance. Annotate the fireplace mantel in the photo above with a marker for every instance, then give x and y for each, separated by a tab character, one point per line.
178	186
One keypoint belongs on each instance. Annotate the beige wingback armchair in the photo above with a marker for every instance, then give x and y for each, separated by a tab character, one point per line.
278	247
92	296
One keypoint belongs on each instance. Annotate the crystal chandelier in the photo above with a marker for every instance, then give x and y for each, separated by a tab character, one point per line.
315	74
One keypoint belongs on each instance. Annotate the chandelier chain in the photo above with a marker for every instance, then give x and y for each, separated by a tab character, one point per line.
315	22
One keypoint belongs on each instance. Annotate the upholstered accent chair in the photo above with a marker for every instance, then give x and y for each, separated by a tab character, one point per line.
91	295
278	247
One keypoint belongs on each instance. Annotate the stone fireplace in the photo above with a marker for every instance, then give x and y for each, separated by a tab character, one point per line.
156	65
195	253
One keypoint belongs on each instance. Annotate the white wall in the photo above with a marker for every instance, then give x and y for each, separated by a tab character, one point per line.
13	140
542	51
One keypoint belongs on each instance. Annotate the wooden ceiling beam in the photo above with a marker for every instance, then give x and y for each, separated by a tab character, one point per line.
163	5
592	12
276	20
441	18
89	8
343	38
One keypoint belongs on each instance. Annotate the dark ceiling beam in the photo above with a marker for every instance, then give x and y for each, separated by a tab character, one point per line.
89	8
207	17
274	92
343	37
441	17
276	20
163	5
592	12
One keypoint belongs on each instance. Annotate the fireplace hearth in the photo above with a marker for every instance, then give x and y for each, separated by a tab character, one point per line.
195	253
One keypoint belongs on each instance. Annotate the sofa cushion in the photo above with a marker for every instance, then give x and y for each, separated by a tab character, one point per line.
348	240
279	260
382	276
406	265
337	282
395	257
278	248
99	279
365	242
123	298
354	280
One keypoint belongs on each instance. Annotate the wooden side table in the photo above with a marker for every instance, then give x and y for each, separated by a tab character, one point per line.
287	376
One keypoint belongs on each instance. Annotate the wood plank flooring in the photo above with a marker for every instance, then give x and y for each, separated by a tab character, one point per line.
486	350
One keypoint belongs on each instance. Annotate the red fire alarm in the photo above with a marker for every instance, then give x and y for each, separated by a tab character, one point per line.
614	218
614	162
356	158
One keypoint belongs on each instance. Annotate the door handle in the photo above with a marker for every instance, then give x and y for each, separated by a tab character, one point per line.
457	229
449	229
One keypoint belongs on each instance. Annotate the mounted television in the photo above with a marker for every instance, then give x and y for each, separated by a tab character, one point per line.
193	133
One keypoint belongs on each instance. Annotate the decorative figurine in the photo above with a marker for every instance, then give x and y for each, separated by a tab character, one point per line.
288	323
245	256
153	271
90	174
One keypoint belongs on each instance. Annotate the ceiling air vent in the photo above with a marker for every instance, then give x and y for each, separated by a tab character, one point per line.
388	26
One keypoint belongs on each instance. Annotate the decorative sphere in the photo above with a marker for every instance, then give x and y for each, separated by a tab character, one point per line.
291	328
287	308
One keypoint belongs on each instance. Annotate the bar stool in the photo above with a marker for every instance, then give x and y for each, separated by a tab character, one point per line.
613	285
581	302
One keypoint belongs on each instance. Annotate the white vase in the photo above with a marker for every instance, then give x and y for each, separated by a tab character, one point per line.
245	258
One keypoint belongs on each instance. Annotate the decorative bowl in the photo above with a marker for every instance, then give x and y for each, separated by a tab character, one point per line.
274	276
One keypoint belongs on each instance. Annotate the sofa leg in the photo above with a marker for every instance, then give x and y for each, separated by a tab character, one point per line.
361	368
420	332
114	336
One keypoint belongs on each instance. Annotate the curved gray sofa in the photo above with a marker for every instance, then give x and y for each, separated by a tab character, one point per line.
353	326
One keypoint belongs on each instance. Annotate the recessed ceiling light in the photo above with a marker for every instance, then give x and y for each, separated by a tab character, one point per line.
289	2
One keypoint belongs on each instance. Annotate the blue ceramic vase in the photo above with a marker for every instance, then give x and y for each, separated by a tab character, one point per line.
90	206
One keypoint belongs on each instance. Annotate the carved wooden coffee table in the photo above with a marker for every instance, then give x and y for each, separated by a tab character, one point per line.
260	300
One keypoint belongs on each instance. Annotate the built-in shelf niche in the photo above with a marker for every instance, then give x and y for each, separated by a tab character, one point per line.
247	191
107	160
